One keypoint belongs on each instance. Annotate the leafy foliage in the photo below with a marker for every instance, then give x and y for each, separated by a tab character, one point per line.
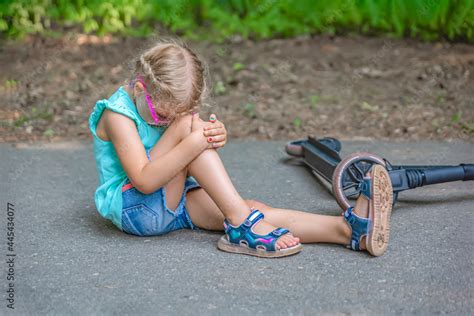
217	20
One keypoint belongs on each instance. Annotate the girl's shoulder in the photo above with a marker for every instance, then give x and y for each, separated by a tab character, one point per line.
119	102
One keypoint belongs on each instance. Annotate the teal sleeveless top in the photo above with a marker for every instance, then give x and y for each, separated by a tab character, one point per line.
108	196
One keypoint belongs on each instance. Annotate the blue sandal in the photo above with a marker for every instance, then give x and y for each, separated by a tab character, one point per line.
378	190
243	240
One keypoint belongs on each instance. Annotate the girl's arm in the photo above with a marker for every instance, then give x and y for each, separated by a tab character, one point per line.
148	176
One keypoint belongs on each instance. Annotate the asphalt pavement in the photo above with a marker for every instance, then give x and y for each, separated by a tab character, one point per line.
68	260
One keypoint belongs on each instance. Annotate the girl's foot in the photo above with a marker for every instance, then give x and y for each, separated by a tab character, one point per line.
264	228
245	239
370	220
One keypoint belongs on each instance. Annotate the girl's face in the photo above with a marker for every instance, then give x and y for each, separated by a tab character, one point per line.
146	106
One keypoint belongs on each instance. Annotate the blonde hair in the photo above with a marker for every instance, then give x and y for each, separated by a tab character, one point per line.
175	76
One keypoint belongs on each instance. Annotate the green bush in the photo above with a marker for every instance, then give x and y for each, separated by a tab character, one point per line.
217	20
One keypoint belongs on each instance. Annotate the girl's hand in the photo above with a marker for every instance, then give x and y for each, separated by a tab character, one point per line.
198	126
216	132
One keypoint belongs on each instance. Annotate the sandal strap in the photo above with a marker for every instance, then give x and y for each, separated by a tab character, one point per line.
254	217
280	231
244	233
359	225
366	187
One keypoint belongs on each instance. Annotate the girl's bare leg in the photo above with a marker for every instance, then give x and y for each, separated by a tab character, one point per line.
205	213
176	132
209	171
312	228
309	227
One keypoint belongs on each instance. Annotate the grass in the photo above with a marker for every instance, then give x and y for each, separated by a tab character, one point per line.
468	127
370	108
260	19
314	99
49	132
458	121
219	88
249	110
238	66
297	122
43	114
10	84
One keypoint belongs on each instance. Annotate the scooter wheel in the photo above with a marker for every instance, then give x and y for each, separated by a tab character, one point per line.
349	174
294	148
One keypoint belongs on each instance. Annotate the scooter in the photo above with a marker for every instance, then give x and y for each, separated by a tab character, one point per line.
346	175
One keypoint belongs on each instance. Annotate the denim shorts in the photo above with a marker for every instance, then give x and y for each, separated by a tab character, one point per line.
148	214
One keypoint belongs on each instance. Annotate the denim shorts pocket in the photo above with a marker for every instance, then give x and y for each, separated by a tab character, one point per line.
129	197
139	220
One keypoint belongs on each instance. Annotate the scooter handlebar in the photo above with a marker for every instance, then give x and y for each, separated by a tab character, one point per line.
468	172
462	172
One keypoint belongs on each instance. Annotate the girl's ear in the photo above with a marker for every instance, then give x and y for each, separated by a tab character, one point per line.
138	88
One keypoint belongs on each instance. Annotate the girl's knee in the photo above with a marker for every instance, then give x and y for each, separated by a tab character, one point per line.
185	123
182	125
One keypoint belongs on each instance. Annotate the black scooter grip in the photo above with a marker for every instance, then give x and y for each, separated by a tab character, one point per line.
463	172
441	175
468	172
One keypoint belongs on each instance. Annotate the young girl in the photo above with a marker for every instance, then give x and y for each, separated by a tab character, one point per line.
150	147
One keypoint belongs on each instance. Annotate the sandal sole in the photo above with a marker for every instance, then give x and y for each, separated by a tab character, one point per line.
380	210
224	245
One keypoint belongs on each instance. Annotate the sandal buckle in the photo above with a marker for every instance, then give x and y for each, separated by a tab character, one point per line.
351	220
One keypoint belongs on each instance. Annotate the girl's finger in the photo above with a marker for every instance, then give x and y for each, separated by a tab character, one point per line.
213	132
217	124
218	145
216	139
212	118
215	145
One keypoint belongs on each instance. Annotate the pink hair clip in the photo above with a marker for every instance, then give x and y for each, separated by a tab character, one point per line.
153	113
